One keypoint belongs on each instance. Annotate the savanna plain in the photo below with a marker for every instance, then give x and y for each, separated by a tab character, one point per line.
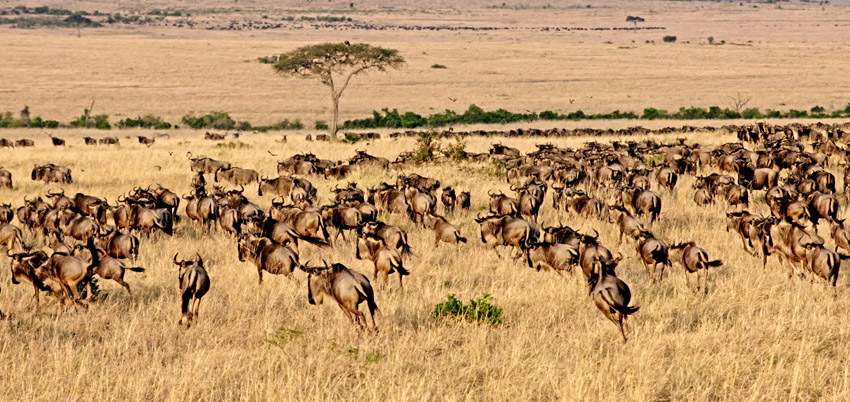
754	334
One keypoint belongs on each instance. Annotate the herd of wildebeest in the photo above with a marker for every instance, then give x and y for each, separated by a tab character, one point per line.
617	183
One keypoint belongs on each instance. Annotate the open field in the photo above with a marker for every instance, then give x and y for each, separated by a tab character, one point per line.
755	335
784	58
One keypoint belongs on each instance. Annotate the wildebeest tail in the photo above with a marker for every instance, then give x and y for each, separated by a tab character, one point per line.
460	238
398	265
625	310
715	263
136	269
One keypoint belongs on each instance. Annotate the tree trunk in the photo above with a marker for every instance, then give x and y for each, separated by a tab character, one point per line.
334	126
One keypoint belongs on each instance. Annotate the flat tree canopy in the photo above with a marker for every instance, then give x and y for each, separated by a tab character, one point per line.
334	64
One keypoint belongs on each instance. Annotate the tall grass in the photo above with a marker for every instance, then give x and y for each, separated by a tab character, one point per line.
756	335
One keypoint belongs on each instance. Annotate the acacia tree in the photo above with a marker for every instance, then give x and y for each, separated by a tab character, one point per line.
334	64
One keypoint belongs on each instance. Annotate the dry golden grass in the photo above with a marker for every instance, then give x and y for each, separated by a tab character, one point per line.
755	336
784	58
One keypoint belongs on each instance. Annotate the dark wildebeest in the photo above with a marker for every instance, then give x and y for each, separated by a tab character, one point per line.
346	287
194	283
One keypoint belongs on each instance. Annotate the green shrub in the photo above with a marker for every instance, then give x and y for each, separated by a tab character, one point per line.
214	120
669	38
97	293
100	121
456	151
652	113
147	121
284	124
352	138
282	336
752	113
476	310
321	125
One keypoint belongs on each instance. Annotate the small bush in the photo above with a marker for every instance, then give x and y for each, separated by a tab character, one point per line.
284	124
669	38
456	151
97	293
480	310
268	59
427	146
282	336
652	113
438	66
321	125
352	138
215	120
147	121
100	121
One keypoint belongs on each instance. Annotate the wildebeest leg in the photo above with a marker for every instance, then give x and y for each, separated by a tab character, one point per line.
386	276
654	267
688	279
184	307
260	273
620	325
400	279
124	284
437	240
661	277
197	307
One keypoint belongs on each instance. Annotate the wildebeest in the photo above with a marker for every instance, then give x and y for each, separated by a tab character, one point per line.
214	136
267	255
443	230
501	204
194	283
237	176
51	173
24	265
449	199
6	213
119	245
10	235
346	287
653	251
463	200
90	141
558	257
24	143
108	141
385	259
611	296
201	209
393	236
306	223
693	259
504	230
5	178
108	267
824	262
206	165
68	272
146	141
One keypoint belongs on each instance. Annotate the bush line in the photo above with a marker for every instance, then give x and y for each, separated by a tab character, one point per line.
386	118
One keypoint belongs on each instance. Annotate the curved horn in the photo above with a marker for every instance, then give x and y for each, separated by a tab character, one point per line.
596	234
200	260
490	192
241	188
189	154
175	259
